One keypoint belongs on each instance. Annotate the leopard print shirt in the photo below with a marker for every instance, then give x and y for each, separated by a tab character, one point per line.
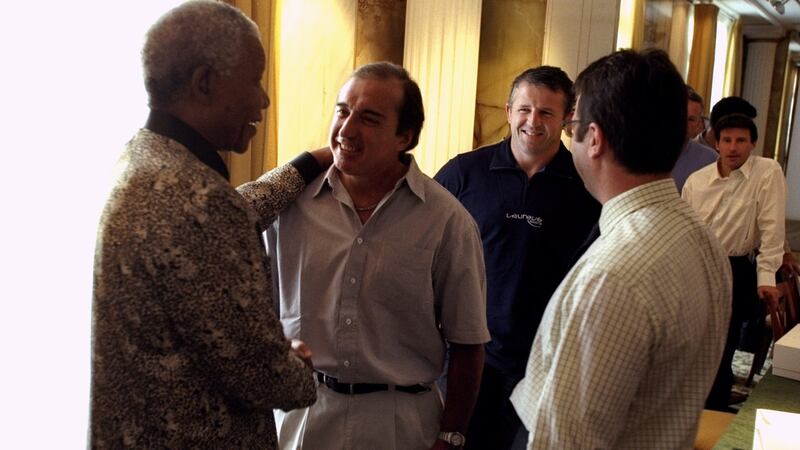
187	351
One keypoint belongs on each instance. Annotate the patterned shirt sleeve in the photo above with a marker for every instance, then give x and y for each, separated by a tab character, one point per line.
274	190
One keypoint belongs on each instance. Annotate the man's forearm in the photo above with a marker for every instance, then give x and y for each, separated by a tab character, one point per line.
463	383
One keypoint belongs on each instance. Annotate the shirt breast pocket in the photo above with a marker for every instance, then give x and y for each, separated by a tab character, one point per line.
403	278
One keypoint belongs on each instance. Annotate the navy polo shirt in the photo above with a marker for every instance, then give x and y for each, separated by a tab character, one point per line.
530	230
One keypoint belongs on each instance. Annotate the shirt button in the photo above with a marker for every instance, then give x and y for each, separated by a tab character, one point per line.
348	321
360	240
352	281
347	363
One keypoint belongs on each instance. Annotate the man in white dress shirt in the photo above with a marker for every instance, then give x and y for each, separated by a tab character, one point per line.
631	340
742	198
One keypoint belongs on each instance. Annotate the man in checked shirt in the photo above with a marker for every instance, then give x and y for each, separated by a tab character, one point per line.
631	340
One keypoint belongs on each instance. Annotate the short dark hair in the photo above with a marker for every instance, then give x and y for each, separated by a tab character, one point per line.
551	77
732	105
736	121
693	96
411	113
638	99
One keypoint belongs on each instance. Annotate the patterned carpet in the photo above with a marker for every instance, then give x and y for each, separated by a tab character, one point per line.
742	362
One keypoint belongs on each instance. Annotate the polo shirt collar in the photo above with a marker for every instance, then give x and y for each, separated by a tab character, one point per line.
560	165
166	124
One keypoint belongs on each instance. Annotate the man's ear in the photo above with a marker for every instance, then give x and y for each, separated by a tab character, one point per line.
202	84
403	139
595	141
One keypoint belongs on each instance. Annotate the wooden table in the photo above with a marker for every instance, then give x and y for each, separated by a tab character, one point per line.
772	392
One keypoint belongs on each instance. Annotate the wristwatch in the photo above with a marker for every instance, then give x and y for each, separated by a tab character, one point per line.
453	438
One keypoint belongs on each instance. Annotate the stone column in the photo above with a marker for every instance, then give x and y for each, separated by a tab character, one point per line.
512	34
380	31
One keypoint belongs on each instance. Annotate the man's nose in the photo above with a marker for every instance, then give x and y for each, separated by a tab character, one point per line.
348	127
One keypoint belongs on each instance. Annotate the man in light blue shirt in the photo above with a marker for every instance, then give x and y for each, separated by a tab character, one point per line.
694	155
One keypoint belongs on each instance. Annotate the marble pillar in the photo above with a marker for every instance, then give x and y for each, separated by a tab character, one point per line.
380	31
657	24
512	34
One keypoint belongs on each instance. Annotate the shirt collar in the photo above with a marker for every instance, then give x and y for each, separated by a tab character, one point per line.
745	170
747	167
631	200
561	164
174	128
413	178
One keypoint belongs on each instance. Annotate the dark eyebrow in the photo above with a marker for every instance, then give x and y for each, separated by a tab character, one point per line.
371	113
366	112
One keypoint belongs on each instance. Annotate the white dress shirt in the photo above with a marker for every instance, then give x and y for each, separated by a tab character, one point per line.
746	210
631	340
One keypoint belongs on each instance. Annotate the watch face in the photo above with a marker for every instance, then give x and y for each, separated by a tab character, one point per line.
457	439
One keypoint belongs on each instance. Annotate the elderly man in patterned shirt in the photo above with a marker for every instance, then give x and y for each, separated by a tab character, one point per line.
187	351
632	339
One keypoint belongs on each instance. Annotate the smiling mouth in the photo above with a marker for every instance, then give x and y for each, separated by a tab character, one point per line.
346	148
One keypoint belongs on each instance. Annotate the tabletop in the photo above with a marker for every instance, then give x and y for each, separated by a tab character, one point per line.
771	392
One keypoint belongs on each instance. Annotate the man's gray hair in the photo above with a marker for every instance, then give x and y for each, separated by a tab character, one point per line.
196	33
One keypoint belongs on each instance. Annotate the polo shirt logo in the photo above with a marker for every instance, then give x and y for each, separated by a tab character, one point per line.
533	221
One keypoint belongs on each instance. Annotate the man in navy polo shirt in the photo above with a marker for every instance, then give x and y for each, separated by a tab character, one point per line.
533	212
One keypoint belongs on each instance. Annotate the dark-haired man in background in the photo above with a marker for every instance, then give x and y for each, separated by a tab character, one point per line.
742	198
380	272
533	213
724	107
629	344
